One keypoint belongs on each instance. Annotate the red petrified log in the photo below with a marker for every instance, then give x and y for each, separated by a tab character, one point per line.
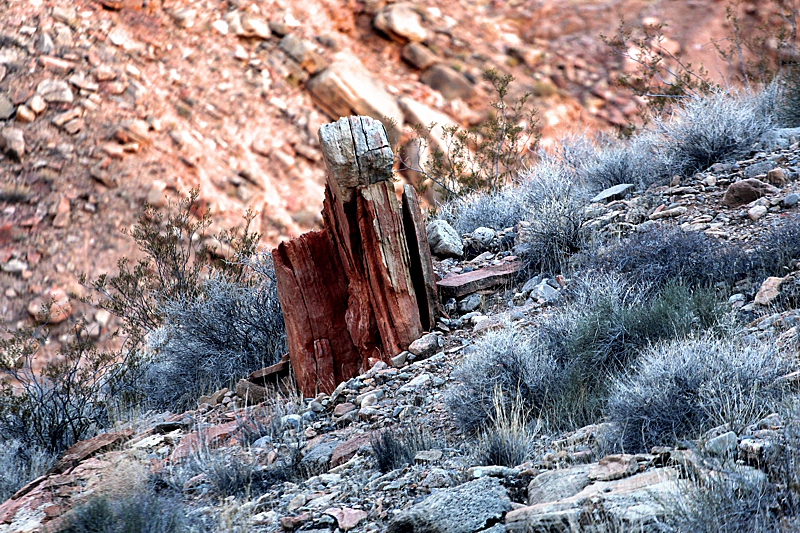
353	291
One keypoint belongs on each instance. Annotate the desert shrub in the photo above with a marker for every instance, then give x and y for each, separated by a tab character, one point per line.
137	512
788	114
229	330
21	463
713	128
394	449
498	210
508	440
736	500
554	229
663	254
513	361
63	402
639	161
684	387
487	157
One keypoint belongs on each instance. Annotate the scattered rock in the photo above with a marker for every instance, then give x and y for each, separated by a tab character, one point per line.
467	508
614	467
444	240
613	193
6	107
426	346
722	445
756	212
55	91
347	518
401	22
249	392
12	141
419	55
745	191
447	81
768	291
554	485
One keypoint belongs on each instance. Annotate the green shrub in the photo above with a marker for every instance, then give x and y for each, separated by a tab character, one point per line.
681	388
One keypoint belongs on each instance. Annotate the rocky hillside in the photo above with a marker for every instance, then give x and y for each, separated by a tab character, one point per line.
107	104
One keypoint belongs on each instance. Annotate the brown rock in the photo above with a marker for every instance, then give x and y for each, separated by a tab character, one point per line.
346	88
346	517
614	467
346	450
87	448
290	523
447	81
343	409
250	392
25	114
419	55
745	191
458	285
768	291
12	141
401	22
777	177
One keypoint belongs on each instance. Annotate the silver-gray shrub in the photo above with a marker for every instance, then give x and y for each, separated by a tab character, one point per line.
714	128
21	462
683	387
209	342
511	365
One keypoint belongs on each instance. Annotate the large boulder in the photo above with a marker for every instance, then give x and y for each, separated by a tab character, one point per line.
444	240
468	508
401	22
449	82
745	191
346	88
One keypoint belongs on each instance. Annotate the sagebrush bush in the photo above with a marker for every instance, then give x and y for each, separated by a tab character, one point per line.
713	128
681	388
209	341
736	500
664	254
514	361
555	223
21	463
499	210
394	449
638	161
140	511
560	372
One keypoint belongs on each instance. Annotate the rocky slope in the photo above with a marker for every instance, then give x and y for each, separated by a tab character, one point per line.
107	104
336	483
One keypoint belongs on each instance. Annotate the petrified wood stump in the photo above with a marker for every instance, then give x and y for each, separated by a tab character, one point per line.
363	287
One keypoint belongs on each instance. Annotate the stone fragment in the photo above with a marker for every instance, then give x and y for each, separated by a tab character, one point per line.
303	52
6	107
25	114
458	285
790	200
444	240
464	509
447	81
722	445
758	169
745	191
613	467
346	450
545	292
554	485
12	141
419	55
37	103
613	193
86	448
470	303
756	212
401	22
777	177
249	392
318	459
768	291
346	88
55	91
426	346
668	213
400	359
428	456
483	237
346	518
253	26
343	409
415	384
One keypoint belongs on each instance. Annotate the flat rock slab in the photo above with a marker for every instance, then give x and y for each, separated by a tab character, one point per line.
467	508
86	448
460	285
613	193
